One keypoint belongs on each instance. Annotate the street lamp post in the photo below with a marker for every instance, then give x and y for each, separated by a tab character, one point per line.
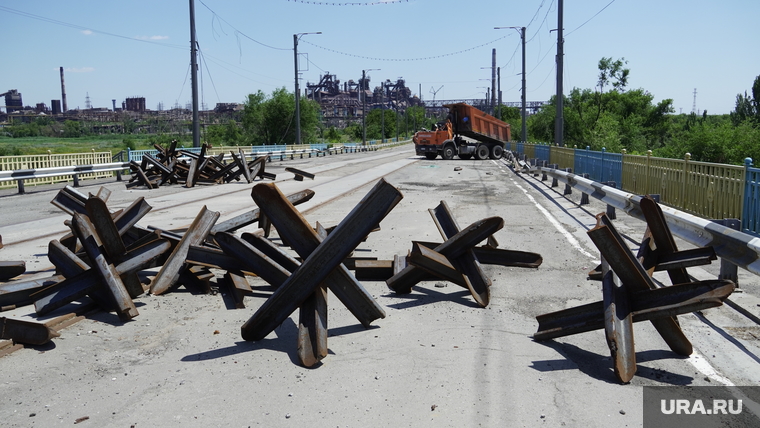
382	112
521	30
298	94
364	104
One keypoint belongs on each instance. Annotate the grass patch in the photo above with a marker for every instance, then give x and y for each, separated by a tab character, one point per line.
99	143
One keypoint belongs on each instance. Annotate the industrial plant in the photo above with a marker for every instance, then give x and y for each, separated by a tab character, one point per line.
341	104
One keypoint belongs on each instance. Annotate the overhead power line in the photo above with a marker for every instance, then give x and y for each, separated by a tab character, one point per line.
406	59
79	27
332	3
587	21
238	32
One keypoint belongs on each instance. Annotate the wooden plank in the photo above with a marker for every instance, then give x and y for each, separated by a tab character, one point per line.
195	235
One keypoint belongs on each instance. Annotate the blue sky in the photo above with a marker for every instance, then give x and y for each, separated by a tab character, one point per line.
114	50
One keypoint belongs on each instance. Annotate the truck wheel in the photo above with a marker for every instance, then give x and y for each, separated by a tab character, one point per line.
481	153
448	152
431	156
497	152
465	156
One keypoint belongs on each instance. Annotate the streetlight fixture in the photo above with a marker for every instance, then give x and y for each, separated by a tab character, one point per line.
521	30
298	94
364	104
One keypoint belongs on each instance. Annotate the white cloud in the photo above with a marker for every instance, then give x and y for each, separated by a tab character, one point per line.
87	32
152	37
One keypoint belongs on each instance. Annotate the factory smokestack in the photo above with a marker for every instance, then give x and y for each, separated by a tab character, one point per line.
63	92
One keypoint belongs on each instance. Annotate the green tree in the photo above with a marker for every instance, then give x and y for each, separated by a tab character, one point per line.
613	72
416	117
271	120
228	134
72	129
375	124
333	135
748	107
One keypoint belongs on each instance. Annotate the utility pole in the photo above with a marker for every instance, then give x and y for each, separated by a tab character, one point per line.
524	134
298	92
524	113
559	124
194	77
498	84
364	104
493	81
382	112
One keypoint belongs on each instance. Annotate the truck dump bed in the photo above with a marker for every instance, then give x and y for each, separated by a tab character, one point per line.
475	124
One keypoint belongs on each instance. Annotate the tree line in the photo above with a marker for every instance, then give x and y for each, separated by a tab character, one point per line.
614	117
609	116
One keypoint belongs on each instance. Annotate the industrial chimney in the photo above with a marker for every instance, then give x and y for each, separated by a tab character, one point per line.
63	92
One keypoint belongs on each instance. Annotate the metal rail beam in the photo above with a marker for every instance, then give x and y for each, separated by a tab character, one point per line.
323	259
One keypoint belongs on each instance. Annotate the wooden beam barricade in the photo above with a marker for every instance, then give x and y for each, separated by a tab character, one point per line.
634	297
195	234
403	281
299	174
322	260
295	230
125	307
467	263
78	280
10	269
26	332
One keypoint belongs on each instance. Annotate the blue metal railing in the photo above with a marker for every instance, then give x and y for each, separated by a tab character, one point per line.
600	166
751	202
543	152
604	167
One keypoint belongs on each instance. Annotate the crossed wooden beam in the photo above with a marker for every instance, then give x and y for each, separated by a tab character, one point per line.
166	167
109	276
630	295
457	260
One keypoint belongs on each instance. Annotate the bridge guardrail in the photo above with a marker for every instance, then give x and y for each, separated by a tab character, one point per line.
704	189
741	249
21	175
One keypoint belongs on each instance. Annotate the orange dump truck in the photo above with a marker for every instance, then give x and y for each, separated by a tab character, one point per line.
467	132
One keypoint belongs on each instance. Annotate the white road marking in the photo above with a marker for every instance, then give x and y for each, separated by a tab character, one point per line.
696	359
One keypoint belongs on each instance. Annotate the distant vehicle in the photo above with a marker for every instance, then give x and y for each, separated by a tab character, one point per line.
467	132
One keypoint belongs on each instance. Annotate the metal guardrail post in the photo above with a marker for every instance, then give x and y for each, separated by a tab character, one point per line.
729	270
740	248
611	214
584	195
568	188
747	209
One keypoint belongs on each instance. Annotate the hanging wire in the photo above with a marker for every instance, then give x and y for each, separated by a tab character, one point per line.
587	21
79	27
406	59
183	83
330	3
205	64
238	32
